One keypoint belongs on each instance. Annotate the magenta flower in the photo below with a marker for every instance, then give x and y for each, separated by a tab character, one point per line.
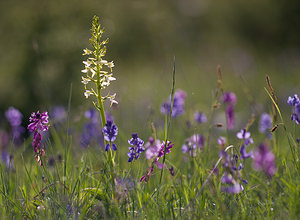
264	160
39	123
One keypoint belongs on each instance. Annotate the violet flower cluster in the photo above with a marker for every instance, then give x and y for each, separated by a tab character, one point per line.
229	99
232	177
193	144
110	132
295	102
14	117
178	104
137	147
39	123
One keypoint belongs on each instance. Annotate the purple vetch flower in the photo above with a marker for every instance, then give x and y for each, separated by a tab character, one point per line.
295	102
152	148
244	154
246	136
178	104
193	144
137	147
221	141
14	117
200	117
39	123
296	115
264	160
110	132
146	177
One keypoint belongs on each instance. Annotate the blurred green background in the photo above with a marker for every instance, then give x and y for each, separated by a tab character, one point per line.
41	50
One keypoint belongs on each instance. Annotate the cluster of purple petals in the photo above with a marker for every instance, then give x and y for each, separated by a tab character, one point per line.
200	117
14	117
152	148
264	160
110	132
229	98
295	102
39	123
137	147
178	104
91	129
146	177
193	144
232	177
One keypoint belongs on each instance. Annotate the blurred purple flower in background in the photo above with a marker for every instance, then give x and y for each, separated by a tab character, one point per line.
91	130
152	148
58	114
178	104
110	132
137	147
14	117
200	117
295	102
264	160
265	123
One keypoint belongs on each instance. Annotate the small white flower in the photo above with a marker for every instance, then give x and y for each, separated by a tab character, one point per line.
85	71
110	64
112	99
85	81
87	93
103	61
87	52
